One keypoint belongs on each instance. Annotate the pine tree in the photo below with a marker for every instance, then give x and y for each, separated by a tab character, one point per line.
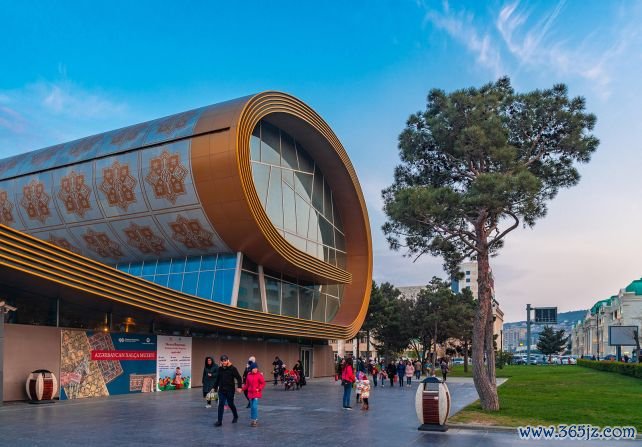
475	165
551	342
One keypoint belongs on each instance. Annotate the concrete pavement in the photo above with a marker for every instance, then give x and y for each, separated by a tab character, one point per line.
312	416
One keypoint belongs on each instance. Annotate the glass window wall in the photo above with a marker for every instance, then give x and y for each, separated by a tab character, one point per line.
210	277
295	194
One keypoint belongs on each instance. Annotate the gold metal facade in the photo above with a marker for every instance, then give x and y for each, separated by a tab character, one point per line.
222	178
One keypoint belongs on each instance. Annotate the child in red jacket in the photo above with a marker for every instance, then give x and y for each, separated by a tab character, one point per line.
254	384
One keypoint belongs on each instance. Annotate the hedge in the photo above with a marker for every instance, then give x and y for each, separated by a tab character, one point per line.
628	369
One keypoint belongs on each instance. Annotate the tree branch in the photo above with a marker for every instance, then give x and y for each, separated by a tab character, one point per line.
508	230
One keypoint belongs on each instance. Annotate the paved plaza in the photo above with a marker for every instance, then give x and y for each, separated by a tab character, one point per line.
310	417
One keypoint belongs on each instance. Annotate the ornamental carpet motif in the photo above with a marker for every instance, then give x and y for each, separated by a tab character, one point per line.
167	176
144	239
79	376
110	369
44	155
63	243
36	201
8	165
84	145
6	217
190	233
176	122
74	193
101	244
127	134
118	186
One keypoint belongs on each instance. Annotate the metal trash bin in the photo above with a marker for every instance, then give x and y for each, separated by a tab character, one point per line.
432	403
41	386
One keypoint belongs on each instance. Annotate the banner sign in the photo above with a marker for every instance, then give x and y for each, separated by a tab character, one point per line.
95	364
173	363
123	355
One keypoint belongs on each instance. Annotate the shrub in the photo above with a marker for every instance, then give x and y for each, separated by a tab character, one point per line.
628	369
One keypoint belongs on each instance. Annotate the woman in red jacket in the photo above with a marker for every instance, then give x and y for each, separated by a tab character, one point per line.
347	379
254	385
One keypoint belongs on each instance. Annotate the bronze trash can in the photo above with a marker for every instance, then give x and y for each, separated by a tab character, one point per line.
432	403
42	386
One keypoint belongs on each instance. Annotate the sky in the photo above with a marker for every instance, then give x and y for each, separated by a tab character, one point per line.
70	69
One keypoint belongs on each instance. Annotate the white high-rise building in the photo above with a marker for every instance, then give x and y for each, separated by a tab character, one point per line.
469	281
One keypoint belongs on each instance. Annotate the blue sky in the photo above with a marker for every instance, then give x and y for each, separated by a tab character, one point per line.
71	69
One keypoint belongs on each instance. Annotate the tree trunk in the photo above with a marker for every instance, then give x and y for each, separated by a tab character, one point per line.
484	377
466	356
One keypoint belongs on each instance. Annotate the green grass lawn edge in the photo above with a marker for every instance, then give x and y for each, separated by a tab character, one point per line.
559	394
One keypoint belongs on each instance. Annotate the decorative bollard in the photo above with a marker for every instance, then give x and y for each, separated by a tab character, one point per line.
42	386
432	403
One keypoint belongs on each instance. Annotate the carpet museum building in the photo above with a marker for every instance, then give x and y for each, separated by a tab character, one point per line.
237	228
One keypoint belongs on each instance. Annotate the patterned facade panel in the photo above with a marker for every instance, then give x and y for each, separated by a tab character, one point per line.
41	159
34	197
124	139
118	186
9	207
144	238
62	238
99	242
152	132
80	150
172	127
9	167
74	193
191	231
166	176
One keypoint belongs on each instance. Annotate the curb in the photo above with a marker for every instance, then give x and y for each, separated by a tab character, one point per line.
504	429
495	428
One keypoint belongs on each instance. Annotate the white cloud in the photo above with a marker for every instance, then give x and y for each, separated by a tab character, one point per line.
48	112
523	40
461	28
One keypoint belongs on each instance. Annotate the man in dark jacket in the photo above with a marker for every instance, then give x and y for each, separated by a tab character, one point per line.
227	375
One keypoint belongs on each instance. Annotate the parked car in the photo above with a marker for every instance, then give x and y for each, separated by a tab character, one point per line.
458	361
610	358
519	360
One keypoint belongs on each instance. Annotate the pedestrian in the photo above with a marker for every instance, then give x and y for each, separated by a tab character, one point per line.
444	368
391	370
347	379
247	370
228	377
277	367
417	369
401	371
410	371
375	372
210	373
358	387
365	392
254	384
298	368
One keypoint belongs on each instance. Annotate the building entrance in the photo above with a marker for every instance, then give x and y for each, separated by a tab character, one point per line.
306	359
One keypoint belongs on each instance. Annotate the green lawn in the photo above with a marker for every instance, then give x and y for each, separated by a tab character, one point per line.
562	394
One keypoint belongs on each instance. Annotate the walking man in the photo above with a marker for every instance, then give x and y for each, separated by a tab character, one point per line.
227	376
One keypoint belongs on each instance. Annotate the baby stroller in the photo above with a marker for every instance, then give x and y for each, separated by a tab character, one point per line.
291	379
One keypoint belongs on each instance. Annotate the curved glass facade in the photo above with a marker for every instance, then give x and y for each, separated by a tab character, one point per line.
295	195
210	277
